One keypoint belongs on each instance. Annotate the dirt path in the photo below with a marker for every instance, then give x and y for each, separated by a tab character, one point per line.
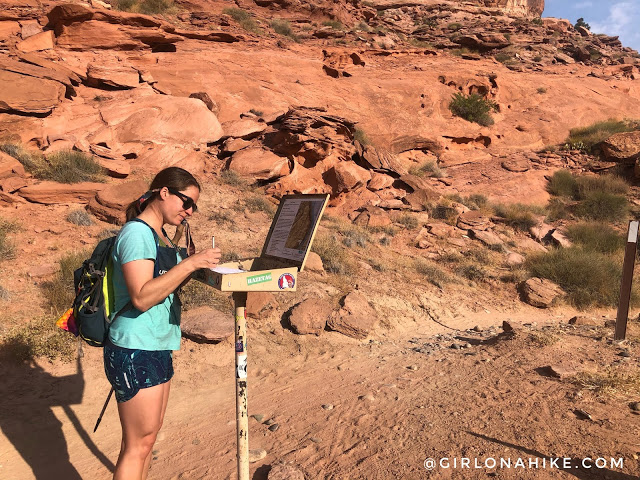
388	406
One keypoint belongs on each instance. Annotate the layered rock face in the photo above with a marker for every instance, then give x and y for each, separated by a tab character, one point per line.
517	7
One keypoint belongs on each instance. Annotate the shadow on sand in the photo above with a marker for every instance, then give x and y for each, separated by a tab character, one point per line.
27	394
576	469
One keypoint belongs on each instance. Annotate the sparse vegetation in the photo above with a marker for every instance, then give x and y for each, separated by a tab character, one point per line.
231	178
66	166
581	23
38	338
408	221
196	294
454	26
537	21
562	184
587	138
147	7
473	108
503	57
355	236
257	113
590	278
543	338
59	292
259	203
283	27
7	247
596	237
80	217
361	136
603	206
433	273
541	90
609	382
519	216
428	168
335	24
334	256
244	18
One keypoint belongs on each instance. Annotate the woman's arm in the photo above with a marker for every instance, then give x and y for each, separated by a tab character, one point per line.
146	291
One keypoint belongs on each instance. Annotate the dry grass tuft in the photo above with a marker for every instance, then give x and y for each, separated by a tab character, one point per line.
608	382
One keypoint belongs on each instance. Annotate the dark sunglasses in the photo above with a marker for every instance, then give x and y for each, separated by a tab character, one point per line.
187	202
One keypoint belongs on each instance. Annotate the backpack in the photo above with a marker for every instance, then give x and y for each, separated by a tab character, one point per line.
88	317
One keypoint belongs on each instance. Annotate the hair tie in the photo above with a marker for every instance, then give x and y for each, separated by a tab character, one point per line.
145	197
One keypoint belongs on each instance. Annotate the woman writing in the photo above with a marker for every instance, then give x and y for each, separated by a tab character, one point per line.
148	270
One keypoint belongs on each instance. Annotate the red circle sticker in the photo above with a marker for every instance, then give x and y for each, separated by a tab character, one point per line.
286	280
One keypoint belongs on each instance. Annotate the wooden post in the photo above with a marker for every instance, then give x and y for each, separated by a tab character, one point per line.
242	420
627	278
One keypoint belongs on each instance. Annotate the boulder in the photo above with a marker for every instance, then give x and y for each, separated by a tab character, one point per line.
473	220
373	217
244	128
557	24
313	263
622	147
28	94
53	193
110	203
310	316
258	302
37	59
379	181
583	320
113	76
97	35
560	239
487	237
29	28
259	164
350	176
162	119
207	100
421	199
540	292
68	13
8	29
301	180
36	71
163	156
514	259
38	42
356	318
9	166
206	325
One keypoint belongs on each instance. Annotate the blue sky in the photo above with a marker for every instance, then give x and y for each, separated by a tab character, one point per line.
613	17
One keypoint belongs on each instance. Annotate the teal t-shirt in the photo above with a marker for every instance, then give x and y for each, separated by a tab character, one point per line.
159	327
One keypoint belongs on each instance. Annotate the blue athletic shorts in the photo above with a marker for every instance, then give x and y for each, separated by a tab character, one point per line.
130	370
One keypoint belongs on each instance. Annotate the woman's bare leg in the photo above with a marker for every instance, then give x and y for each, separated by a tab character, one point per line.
141	419
165	400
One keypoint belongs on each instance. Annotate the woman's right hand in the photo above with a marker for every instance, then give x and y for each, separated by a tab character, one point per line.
208	258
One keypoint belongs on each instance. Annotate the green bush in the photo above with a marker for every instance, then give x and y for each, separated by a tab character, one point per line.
603	206
562	184
603	183
519	216
596	237
503	57
335	24
428	168
283	27
243	18
154	7
590	278
586	138
65	167
454	26
361	136
473	108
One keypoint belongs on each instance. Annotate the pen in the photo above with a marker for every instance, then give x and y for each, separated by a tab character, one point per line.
213	242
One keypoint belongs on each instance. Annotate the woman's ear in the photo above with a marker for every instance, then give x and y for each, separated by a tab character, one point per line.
163	193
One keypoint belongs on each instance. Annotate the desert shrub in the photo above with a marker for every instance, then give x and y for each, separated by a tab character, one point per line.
80	217
38	338
408	221
473	108
7	247
537	58
541	90
231	178
283	27
519	216
434	274
384	241
65	167
355	236
557	209
221	217
472	272
154	7
585	138
362	26
196	294
603	206
335	24
597	237
562	184
125	5
543	338
612	184
378	265
475	201
420	43
29	160
59	292
537	21
229	256
243	18
259	204
257	113
361	136
428	168
588	277
609	382
335	258
445	211
388	230
503	57
454	26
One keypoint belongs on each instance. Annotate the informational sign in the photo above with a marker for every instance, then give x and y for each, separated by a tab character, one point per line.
294	226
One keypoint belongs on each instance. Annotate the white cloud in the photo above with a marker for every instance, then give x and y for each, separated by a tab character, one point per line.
622	21
582	5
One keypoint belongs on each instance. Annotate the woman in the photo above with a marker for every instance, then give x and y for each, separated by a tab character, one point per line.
148	270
